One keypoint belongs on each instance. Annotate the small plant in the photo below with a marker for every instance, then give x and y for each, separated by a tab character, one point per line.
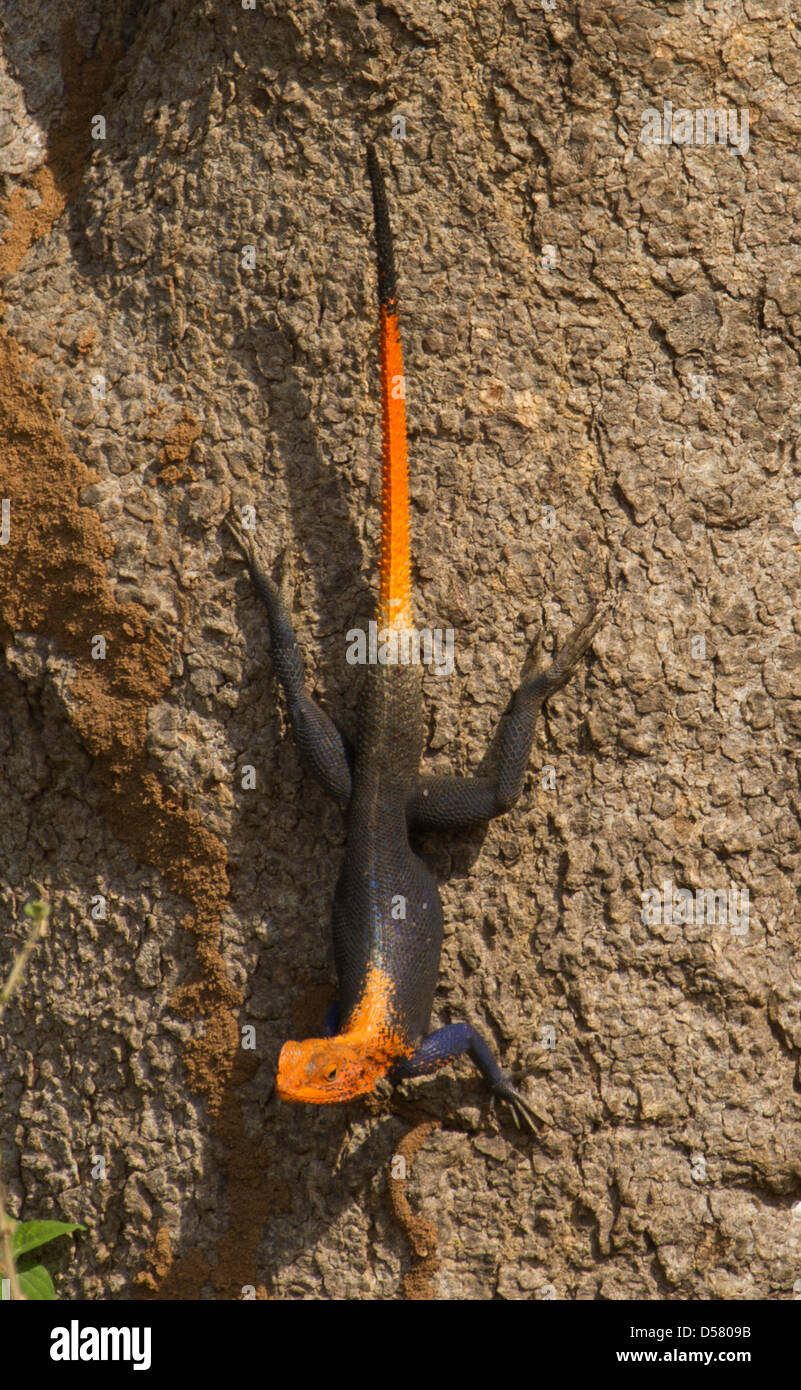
20	1274
37	912
26	1277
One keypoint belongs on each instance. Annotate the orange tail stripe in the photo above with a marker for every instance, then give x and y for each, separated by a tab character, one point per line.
395	604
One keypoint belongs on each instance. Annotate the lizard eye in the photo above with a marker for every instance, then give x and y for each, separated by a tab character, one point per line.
331	1074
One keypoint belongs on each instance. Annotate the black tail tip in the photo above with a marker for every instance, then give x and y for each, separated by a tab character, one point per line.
387	290
373	166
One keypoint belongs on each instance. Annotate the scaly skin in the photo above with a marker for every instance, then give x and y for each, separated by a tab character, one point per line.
387	918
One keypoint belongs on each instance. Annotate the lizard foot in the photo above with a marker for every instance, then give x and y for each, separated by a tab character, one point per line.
550	674
243	540
521	1108
247	546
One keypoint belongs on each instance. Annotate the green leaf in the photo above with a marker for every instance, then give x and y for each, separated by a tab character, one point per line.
37	910
36	1283
29	1235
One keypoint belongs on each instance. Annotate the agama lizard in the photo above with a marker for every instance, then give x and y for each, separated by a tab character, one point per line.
387	917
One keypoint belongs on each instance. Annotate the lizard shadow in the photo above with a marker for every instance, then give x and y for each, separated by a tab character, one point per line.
346	1157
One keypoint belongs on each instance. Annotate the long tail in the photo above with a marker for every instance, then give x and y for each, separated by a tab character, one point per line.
395	599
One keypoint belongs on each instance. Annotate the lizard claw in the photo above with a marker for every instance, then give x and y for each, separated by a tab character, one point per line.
521	1109
543	675
243	541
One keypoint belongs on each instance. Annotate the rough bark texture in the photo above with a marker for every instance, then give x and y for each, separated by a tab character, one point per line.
593	323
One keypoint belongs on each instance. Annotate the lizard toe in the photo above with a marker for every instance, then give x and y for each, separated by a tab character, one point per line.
521	1109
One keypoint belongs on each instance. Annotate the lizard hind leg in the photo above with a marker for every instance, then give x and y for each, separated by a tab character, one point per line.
445	803
322	746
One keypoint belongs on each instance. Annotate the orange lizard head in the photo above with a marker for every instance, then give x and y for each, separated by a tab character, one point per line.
322	1071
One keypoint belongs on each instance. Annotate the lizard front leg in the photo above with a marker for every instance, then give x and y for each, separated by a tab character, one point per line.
445	1045
444	803
321	745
